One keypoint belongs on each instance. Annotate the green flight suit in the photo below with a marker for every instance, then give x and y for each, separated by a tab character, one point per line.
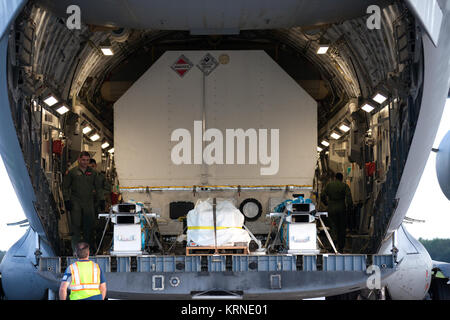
338	197
101	181
106	189
105	185
81	189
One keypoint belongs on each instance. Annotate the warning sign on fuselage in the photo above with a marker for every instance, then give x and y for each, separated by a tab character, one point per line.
207	64
182	65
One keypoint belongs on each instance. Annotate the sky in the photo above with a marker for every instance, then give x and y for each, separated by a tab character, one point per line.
429	203
11	211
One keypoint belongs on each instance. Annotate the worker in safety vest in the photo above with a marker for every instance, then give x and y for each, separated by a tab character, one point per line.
81	188
338	197
84	278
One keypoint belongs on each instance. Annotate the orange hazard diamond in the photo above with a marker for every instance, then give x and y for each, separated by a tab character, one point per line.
182	65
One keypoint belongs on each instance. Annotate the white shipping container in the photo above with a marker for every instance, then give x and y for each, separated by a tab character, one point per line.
249	91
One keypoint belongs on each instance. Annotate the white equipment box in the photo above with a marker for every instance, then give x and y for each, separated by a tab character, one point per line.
301	228
302	238
127	238
127	228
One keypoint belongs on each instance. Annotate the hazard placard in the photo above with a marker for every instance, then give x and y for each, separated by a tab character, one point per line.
207	64
182	65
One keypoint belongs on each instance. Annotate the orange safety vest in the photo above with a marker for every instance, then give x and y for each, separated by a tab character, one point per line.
85	280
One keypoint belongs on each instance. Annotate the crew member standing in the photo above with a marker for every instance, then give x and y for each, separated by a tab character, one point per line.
338	197
80	187
99	205
106	188
84	278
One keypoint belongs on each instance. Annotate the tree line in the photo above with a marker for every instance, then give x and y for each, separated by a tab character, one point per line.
439	249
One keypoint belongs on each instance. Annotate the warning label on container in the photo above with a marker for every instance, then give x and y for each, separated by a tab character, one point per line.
207	64
182	65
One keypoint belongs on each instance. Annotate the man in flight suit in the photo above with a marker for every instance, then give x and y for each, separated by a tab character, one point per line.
80	187
98	204
338	197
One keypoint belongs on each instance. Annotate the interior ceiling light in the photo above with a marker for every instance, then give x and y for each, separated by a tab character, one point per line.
111	150
379	98
105	145
344	128
325	143
324	46
87	129
106	48
107	51
319	149
50	101
95	137
367	108
62	110
323	49
334	135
